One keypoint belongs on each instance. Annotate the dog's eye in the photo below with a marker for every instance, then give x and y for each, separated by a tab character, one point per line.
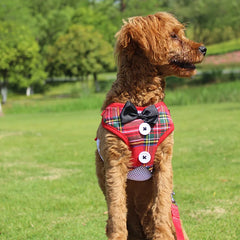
174	36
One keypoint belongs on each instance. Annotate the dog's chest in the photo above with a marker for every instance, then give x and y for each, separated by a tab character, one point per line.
141	137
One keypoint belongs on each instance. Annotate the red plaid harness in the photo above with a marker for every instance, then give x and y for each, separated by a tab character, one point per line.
130	132
139	143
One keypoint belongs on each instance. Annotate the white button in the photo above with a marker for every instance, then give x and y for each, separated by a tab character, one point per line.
144	157
144	128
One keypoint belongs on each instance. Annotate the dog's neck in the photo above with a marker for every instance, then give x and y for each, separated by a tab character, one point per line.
137	81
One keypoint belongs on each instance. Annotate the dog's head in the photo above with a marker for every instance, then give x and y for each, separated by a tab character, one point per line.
161	40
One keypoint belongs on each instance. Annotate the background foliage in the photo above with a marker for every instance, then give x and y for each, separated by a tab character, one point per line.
49	187
60	38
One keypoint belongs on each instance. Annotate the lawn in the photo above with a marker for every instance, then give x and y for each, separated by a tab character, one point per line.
49	189
53	100
224	47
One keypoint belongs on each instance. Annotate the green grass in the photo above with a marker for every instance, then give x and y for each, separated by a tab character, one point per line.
206	169
224	47
49	189
212	93
47	177
52	102
42	104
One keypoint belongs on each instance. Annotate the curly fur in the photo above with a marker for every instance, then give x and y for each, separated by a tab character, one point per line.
148	49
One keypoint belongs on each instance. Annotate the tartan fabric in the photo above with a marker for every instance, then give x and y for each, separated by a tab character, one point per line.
130	134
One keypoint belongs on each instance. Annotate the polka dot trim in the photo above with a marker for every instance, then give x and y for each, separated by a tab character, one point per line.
137	174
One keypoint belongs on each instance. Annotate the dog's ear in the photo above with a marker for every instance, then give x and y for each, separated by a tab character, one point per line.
125	40
123	35
139	33
132	34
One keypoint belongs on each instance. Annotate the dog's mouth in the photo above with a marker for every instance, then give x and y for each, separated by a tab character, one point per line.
184	65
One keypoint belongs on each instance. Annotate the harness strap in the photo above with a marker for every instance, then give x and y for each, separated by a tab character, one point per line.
177	222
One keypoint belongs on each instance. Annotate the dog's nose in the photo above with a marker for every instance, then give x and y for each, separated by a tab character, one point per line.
203	50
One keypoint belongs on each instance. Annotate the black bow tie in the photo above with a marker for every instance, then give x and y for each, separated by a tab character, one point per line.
130	113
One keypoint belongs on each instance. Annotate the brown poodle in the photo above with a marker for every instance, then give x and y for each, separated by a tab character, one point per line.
134	166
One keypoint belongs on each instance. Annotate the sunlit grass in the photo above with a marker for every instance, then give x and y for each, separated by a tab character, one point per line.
49	189
47	177
224	47
214	93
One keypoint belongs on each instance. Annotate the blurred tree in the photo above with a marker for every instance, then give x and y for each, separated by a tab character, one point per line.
45	7
100	18
211	21
15	11
53	18
143	7
80	52
51	26
20	62
122	5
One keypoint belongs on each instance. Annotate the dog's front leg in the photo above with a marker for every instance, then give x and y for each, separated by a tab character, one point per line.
162	177
116	169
